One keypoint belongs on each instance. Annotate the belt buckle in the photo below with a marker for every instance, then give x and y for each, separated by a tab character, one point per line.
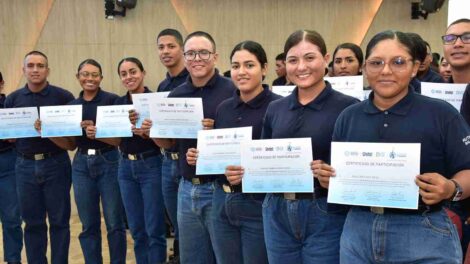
132	156
289	196
227	188
377	210
174	156
91	151
162	150
39	156
195	181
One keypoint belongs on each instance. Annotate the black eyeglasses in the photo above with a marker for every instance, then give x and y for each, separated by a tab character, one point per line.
191	55
451	38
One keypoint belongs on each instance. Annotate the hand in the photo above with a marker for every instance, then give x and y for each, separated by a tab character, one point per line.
434	188
234	174
146	125
37	125
207	123
133	116
90	132
322	172
140	132
191	156
86	123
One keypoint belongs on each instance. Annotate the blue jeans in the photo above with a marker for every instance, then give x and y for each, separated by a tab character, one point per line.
238	221
170	183
94	177
429	237
9	209
140	183
44	190
194	221
302	231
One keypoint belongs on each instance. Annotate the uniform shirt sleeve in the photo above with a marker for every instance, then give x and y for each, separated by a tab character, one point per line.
457	145
464	108
266	132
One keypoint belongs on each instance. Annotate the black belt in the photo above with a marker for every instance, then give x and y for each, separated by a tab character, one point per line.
139	156
169	154
6	149
201	180
91	151
319	193
421	209
39	156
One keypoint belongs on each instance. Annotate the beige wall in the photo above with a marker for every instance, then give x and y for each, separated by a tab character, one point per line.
69	31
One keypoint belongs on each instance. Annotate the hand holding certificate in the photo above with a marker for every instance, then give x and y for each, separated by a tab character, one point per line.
277	165
176	117
61	120
141	104
375	174
113	121
219	148
18	122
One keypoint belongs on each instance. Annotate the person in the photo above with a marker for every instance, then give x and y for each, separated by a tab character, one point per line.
425	72
139	176
280	70
303	227
9	208
43	170
237	216
170	52
195	191
445	70
394	113
436	58
94	173
347	60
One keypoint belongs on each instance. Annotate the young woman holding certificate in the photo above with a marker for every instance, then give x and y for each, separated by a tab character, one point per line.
302	227
394	113
236	216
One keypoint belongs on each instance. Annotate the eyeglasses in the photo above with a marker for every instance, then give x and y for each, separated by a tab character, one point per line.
191	55
93	75
451	38
397	64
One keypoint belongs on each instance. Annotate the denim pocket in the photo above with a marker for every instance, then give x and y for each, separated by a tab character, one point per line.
111	157
328	208
152	162
437	222
267	200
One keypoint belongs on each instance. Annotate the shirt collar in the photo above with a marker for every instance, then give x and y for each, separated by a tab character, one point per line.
316	104
96	98
183	73
400	108
44	91
209	84
254	103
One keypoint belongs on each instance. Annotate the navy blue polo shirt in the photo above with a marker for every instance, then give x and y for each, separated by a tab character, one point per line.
171	83
3	143
89	113
430	76
50	95
465	107
441	130
280	81
135	144
287	118
217	89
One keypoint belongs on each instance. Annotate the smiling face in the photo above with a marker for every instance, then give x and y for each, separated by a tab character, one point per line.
305	65
458	54
35	69
169	51
247	72
132	77
89	77
201	70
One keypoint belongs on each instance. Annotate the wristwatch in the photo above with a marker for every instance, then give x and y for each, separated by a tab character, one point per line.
457	196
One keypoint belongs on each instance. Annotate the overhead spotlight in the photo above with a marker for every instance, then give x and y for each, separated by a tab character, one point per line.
109	6
422	8
127	3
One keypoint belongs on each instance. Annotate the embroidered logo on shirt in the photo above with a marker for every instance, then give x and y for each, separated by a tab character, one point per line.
466	140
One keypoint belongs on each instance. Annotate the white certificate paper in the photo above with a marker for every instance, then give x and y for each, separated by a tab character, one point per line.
141	105
277	165
18	122
219	148
113	121
349	85
61	120
176	117
375	174
449	92
283	90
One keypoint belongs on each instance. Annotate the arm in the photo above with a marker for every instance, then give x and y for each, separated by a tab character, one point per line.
66	143
434	188
90	130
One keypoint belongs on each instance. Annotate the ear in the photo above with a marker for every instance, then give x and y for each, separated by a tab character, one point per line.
264	69
415	68
216	57
143	73
327	59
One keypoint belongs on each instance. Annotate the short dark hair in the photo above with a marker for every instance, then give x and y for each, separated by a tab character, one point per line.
172	32
131	59
201	34
458	21
308	35
281	57
401	37
36	52
419	46
354	48
91	62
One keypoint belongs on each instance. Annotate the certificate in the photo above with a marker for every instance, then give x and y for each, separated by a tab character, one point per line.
277	165
18	122
219	148
283	90
61	120
349	85
375	174
449	92
176	117
113	121
141	105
